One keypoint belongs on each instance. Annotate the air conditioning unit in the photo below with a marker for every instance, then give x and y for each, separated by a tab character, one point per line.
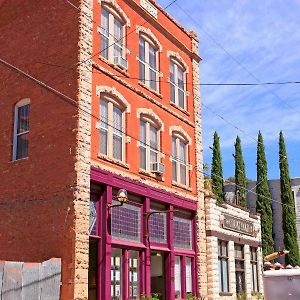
158	168
121	62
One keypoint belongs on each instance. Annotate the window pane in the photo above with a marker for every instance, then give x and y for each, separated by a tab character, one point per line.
103	114
183	174
181	98
125	222
174	170
188	275
182	149
172	87
177	278
153	156
103	141
172	72
143	132
93	216
118	38
220	275
225	275
152	57
22	146
142	72
117	147
116	274
153	79
143	158
134	275
180	78
23	119
182	233
174	148
117	115
142	49
104	33
153	138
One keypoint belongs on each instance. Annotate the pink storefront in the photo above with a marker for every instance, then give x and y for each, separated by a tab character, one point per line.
145	246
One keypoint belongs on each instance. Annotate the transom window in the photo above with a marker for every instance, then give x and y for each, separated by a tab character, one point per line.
179	160
126	222
112	122
182	233
149	144
112	33
148	57
223	266
177	84
21	129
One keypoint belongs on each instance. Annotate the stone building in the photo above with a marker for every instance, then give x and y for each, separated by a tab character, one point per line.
274	186
99	97
234	256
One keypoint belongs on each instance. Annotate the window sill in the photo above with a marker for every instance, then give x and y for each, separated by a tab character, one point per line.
19	160
182	186
180	108
150	90
225	294
113	160
152	175
114	66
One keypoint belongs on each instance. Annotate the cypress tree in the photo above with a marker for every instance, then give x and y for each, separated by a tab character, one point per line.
240	174
263	202
216	170
288	207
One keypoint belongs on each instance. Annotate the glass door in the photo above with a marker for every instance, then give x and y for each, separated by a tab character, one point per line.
134	275
116	274
158	274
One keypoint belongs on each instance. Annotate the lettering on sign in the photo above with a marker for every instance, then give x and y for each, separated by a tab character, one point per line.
149	8
238	225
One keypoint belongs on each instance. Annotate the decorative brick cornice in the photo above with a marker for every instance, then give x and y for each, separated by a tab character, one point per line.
150	34
118	9
114	93
177	57
181	131
149	112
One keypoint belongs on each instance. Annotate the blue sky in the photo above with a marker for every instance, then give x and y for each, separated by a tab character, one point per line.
248	41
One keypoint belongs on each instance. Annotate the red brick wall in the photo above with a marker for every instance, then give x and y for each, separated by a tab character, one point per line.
36	199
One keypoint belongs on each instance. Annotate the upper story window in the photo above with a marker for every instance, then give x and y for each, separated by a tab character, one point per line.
180	164
148	57
178	71
150	127
21	129
223	266
112	31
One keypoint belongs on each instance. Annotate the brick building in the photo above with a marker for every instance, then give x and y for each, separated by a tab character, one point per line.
77	130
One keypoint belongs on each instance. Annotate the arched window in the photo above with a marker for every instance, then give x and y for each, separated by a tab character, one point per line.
21	129
149	59
112	124
178	71
180	159
150	128
113	32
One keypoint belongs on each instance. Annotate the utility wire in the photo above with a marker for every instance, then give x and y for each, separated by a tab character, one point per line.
73	102
233	58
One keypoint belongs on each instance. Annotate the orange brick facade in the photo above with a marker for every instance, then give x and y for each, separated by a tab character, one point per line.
44	198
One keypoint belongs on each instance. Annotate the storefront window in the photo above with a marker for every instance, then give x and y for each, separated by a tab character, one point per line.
239	268
254	270
134	275
188	275
177	277
223	266
126	222
116	278
182	233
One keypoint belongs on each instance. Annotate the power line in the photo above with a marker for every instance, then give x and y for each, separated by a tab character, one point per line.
233	58
73	102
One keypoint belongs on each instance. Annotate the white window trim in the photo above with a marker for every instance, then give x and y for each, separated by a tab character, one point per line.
113	98
150	41
179	134
19	104
178	64
155	122
115	12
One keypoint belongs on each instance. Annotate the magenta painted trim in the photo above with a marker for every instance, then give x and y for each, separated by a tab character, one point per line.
147	253
184	252
127	244
159	248
135	187
125	270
